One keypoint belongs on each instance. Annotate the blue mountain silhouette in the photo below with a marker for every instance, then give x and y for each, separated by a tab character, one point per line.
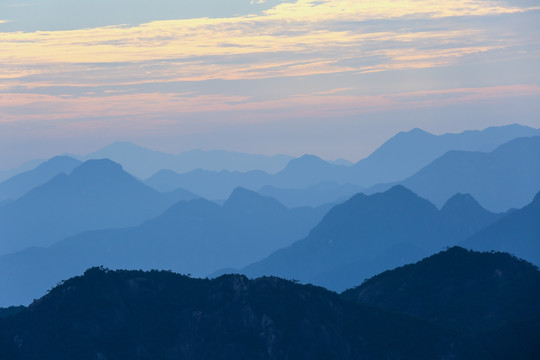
196	237
508	177
517	233
98	194
369	234
20	184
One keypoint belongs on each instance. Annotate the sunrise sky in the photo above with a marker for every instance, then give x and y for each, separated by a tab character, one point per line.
335	78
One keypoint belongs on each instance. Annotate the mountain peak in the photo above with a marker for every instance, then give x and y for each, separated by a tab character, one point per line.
460	201
400	191
242	198
306	160
100	167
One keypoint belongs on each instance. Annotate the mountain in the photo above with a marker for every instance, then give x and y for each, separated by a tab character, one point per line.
408	152
197	237
209	184
143	162
314	195
32	164
369	234
476	294
161	315
308	170
398	158
517	233
20	184
98	194
508	177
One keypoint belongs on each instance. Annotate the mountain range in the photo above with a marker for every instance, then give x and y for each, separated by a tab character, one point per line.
517	233
508	177
417	159
18	185
143	162
369	234
197	237
161	315
456	304
97	194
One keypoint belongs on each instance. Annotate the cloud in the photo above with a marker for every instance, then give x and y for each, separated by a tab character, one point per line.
137	71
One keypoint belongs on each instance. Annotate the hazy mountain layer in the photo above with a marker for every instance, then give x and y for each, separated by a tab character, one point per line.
400	157
369	234
314	195
508	177
20	184
96	195
143	162
517	233
197	237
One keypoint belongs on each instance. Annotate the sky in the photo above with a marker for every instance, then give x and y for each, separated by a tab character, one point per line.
334	78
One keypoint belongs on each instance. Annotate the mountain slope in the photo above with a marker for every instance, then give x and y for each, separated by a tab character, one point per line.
505	178
20	184
490	289
481	295
197	237
161	315
408	152
369	234
517	233
209	184
314	195
97	194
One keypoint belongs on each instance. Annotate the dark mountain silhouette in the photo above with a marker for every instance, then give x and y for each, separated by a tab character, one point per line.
143	162
162	315
20	184
209	184
370	234
508	177
314	195
197	237
517	233
481	295
96	195
408	152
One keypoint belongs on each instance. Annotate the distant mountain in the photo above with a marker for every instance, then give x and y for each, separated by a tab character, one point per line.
398	158
196	237
508	177
408	152
209	184
27	166
369	234
143	162
20	184
161	315
314	195
96	195
476	294
308	170
517	233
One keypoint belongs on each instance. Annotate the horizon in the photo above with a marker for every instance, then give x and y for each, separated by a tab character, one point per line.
37	160
333	78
